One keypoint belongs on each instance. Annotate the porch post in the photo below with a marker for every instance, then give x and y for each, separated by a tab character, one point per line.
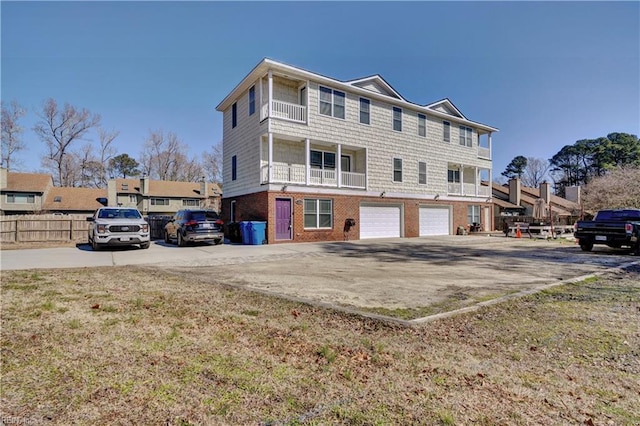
270	106
307	161
270	159
490	185
261	99
490	154
339	166
461	179
477	179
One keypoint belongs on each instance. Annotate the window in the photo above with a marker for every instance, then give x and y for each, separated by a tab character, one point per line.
466	136
323	160
252	100
447	131
234	115
21	198
125	186
332	102
473	214
422	172
318	213
191	203
234	168
397	119
422	125
453	176
233	211
365	111
159	201
397	170
133	198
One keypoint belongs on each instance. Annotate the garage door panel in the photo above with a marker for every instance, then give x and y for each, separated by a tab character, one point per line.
434	221
379	222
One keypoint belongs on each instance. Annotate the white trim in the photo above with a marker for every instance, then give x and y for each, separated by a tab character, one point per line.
267	65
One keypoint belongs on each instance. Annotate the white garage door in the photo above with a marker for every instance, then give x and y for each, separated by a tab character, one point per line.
434	221
379	222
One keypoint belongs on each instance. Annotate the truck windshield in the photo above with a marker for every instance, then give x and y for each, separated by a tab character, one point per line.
618	215
119	213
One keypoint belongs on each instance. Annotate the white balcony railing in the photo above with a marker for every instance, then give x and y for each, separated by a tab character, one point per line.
353	180
469	189
323	177
296	174
286	111
484	152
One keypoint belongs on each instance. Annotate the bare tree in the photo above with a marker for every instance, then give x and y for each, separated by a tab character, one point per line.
535	172
58	129
165	157
212	164
617	189
107	152
11	133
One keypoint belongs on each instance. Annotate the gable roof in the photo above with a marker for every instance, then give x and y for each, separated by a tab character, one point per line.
529	196
374	86
73	198
377	84
28	182
165	188
445	106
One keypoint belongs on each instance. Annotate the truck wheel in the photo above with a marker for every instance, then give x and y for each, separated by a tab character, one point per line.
166	237
218	241
181	242
636	251
586	246
145	245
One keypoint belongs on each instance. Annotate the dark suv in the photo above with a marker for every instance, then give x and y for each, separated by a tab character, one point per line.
194	225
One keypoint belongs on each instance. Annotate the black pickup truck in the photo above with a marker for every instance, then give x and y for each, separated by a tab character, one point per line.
614	228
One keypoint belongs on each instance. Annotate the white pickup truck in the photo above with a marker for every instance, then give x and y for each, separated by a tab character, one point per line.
118	226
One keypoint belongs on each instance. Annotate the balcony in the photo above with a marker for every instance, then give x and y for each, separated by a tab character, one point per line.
484	152
285	111
297	174
468	190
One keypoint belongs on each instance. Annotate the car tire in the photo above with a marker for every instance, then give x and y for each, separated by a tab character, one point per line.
145	245
636	250
166	237
586	246
218	241
94	245
181	242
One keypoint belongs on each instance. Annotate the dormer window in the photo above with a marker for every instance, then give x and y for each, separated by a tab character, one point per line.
57	199
125	186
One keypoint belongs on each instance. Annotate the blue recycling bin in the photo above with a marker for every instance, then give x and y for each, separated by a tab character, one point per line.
245	232
258	232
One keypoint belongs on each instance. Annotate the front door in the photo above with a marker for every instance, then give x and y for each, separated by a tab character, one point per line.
283	218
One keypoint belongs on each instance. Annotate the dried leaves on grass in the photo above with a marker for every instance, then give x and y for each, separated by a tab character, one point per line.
134	346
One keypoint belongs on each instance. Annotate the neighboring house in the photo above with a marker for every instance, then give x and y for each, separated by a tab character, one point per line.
73	200
161	197
34	193
306	152
23	193
514	202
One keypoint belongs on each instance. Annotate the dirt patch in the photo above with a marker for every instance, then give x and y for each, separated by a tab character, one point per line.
130	345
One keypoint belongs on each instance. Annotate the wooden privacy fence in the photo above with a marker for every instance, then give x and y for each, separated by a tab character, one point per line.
44	227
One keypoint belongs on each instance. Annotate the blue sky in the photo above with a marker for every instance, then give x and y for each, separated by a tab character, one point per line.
545	73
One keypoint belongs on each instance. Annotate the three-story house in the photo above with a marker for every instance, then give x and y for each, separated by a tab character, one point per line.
307	153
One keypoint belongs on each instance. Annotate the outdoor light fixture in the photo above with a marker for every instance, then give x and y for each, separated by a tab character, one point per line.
382	194
437	197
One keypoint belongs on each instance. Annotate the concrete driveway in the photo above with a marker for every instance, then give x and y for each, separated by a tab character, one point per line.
390	273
